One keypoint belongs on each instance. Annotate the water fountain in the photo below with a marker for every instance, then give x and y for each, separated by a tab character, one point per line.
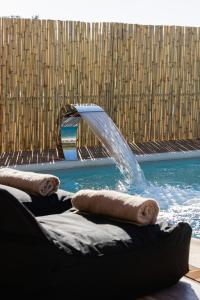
177	202
108	134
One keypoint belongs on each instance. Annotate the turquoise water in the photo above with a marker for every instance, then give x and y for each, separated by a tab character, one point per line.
69	132
175	184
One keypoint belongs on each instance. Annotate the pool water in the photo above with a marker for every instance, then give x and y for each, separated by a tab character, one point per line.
175	184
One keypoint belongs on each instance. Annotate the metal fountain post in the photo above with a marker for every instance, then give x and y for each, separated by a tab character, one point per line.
69	128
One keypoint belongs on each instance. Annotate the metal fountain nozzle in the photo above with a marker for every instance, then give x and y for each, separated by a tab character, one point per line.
71	117
69	127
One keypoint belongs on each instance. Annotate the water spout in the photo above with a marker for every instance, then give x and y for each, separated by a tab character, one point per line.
69	127
109	135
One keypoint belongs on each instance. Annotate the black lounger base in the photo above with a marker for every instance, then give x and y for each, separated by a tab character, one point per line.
86	257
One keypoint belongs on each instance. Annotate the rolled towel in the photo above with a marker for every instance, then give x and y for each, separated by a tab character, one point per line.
118	205
30	182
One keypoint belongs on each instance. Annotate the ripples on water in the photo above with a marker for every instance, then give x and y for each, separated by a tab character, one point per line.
177	204
174	184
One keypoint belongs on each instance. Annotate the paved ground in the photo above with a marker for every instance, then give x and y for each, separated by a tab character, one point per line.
185	289
195	253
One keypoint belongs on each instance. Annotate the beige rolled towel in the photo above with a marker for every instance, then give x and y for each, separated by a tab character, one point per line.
118	205
34	183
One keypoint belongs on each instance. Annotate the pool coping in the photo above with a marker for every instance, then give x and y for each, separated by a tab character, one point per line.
68	164
194	257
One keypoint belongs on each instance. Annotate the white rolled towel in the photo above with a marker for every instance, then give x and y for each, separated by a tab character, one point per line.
30	182
118	205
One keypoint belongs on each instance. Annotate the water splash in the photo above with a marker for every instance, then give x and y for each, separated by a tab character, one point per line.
177	204
178	200
117	147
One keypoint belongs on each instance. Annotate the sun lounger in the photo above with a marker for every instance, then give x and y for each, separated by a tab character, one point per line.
83	255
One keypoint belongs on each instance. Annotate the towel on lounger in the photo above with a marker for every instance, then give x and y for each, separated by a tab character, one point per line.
30	182
118	205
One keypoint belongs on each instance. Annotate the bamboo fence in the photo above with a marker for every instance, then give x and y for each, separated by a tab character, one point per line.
147	78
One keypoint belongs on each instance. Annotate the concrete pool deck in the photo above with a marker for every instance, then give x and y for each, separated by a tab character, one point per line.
194	259
185	289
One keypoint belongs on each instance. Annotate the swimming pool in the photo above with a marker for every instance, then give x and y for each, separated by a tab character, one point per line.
175	184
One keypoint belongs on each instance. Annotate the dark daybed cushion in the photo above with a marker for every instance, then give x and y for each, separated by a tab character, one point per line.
56	203
85	256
